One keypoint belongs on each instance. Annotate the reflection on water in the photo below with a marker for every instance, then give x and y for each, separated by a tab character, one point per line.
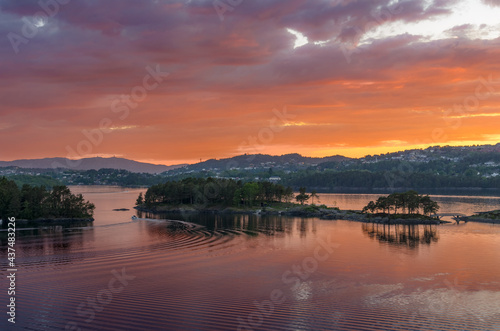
402	235
60	244
252	225
218	273
58	237
467	205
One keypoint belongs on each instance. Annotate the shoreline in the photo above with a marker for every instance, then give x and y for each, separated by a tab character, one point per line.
478	220
492	216
297	211
449	191
54	221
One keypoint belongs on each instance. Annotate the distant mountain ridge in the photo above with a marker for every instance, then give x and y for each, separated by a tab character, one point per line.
294	161
94	163
261	160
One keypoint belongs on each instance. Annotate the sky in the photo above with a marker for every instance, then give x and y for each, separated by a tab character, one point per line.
173	82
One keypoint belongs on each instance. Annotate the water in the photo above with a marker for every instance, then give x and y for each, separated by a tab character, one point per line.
260	273
449	204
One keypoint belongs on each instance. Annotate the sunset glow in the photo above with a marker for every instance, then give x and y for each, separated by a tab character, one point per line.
176	81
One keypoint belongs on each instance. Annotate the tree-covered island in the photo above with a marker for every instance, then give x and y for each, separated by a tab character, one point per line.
38	203
201	193
230	196
410	203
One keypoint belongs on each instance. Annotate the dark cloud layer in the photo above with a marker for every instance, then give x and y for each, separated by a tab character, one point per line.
227	75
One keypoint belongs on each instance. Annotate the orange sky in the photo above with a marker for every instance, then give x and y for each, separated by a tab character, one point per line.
415	75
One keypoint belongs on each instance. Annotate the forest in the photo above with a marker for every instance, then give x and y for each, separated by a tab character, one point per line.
36	202
212	191
334	181
409	202
445	169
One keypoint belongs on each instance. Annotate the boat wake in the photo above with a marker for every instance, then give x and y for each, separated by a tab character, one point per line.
171	223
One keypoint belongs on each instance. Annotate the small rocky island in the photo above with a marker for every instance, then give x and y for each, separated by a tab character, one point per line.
482	217
38	205
226	196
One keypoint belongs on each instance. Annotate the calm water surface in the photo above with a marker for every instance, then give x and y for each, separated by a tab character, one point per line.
256	273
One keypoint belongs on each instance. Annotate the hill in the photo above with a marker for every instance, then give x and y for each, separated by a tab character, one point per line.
263	161
94	163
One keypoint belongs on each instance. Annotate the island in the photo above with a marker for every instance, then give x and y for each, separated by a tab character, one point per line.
492	216
214	194
227	196
37	204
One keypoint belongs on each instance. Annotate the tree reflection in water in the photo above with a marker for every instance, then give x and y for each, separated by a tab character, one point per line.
401	234
251	225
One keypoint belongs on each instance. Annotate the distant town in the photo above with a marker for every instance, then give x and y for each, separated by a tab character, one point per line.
448	167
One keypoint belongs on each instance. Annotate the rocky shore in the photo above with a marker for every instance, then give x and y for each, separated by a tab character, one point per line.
54	221
299	211
482	217
479	220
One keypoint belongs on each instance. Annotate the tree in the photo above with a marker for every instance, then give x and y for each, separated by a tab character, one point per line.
15	203
36	202
430	207
410	200
9	199
400	200
288	195
302	196
413	201
250	192
33	202
314	195
140	200
382	204
391	203
225	192
371	207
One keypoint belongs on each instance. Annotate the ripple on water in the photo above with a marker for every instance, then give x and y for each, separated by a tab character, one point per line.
198	276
